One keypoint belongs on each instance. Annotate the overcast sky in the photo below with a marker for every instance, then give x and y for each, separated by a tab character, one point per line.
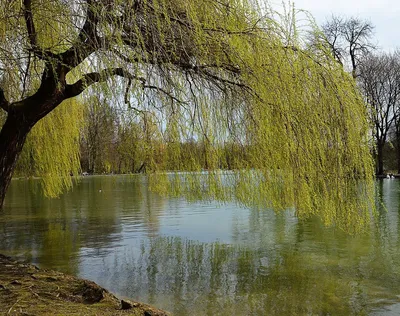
383	14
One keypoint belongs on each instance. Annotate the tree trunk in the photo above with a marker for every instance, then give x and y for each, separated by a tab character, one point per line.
397	146
12	139
380	157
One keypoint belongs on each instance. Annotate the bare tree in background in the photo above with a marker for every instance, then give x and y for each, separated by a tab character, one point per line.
379	78
396	128
349	39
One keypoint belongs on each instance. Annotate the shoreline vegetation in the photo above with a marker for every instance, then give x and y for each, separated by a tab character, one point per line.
28	290
392	175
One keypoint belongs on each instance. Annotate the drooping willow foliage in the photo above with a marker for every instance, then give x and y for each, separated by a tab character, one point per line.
200	78
52	149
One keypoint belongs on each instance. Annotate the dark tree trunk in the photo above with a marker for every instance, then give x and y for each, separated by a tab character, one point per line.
379	157
12	139
133	170
398	149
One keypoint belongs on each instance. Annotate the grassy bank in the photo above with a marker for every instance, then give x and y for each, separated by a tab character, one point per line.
28	290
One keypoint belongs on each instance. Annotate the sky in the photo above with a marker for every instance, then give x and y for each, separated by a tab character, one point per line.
383	14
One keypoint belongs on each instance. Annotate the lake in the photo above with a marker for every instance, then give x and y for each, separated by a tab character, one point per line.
206	258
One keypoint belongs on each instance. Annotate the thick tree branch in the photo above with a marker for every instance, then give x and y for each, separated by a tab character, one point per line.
95	77
30	26
88	40
3	101
89	79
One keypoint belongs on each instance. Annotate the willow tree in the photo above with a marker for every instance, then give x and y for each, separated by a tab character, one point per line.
206	72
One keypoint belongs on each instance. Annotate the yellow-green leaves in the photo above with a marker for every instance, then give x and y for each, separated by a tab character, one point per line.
302	125
52	149
228	103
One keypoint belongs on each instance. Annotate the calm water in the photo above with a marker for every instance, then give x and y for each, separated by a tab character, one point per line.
205	259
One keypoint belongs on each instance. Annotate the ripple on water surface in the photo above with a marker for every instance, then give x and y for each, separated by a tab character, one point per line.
205	258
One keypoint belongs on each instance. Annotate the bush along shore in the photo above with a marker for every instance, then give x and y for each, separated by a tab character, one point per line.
27	290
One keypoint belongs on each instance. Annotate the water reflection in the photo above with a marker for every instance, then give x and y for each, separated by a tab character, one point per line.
200	259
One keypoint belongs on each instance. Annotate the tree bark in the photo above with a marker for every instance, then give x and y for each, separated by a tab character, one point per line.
379	157
398	148
12	139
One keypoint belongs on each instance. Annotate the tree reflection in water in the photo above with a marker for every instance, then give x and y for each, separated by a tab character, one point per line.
198	259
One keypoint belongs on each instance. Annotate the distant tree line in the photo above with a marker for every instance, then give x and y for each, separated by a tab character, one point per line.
113	140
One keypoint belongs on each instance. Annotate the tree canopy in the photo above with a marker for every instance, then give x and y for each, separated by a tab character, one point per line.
349	39
213	73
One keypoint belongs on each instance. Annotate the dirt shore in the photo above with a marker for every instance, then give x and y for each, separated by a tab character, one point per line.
28	290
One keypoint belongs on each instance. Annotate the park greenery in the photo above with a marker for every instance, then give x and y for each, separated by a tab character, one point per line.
224	100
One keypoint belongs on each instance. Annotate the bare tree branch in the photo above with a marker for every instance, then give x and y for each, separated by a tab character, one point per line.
349	39
168	94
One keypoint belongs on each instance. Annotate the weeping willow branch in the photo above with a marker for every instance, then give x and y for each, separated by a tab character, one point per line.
29	23
218	86
32	35
94	77
88	40
168	94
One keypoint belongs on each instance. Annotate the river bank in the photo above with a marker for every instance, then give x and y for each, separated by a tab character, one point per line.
28	290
